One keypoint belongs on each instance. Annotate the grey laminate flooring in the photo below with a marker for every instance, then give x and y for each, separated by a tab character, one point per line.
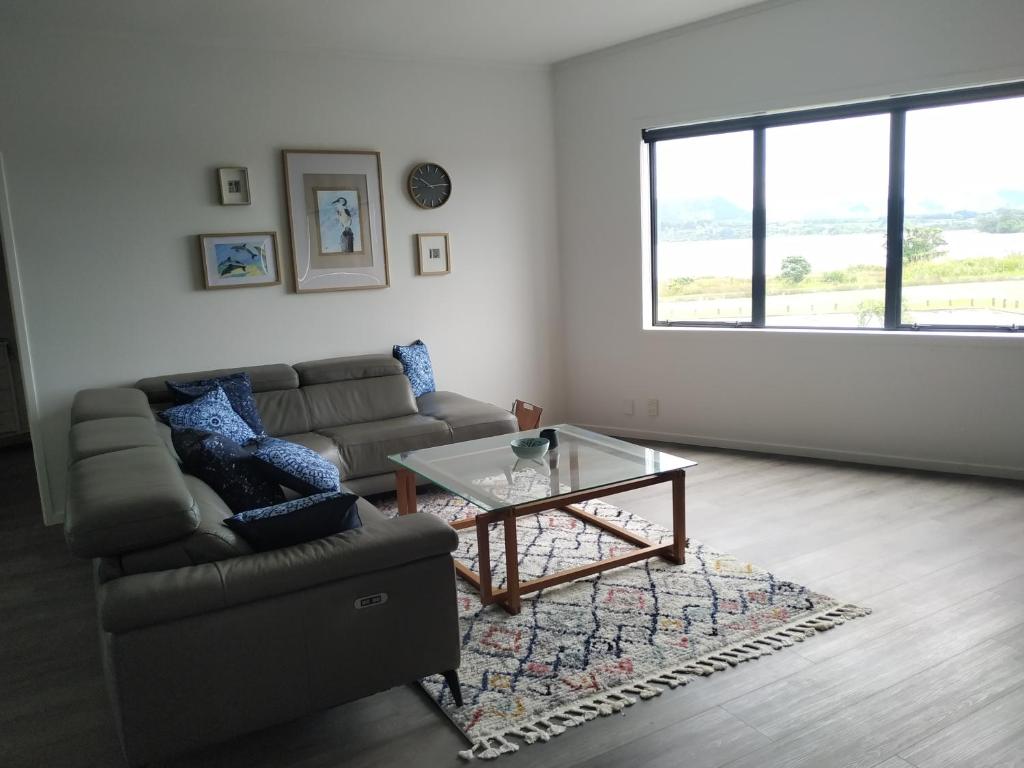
933	679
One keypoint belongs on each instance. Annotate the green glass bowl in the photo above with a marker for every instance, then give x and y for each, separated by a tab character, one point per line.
530	447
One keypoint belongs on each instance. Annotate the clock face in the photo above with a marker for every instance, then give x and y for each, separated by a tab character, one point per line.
430	185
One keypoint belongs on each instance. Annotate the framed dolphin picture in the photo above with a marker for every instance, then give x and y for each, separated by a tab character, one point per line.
239	259
336	215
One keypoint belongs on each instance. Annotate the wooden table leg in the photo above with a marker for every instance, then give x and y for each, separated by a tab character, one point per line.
405	486
483	546
678	518
513	604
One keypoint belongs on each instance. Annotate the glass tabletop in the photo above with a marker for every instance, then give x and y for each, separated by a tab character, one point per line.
487	473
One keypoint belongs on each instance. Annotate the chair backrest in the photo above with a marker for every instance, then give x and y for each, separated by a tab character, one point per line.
527	414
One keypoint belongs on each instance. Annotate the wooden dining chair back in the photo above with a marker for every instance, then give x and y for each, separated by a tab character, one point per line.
527	414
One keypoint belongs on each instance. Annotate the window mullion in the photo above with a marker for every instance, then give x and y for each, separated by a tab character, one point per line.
758	230
894	226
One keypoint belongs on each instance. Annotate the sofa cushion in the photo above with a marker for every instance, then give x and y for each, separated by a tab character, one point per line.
346	368
283	411
228	468
341	403
264	378
126	500
209	542
322	444
295	466
238	388
210	413
297	521
468	418
91	438
415	360
108	403
364	448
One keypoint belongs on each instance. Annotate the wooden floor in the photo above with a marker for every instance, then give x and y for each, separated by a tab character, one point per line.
934	678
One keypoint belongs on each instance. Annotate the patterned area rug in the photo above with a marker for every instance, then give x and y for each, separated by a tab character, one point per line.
597	645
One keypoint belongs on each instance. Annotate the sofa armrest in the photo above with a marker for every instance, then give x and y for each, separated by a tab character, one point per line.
144	599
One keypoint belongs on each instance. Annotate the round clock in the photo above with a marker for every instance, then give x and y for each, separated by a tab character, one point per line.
430	186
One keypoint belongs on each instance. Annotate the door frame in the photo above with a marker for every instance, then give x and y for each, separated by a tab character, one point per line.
28	379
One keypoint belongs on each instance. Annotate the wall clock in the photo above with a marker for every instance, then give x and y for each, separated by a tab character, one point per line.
430	186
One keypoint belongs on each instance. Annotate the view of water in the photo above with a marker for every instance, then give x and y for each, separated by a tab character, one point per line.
731	258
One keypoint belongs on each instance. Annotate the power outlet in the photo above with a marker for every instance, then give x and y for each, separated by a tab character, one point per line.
627	407
652	407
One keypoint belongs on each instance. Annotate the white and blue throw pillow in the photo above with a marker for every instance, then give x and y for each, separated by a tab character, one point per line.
211	412
296	521
415	360
238	388
296	466
228	468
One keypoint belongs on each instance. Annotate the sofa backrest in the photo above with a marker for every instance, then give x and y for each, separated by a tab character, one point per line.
313	395
125	491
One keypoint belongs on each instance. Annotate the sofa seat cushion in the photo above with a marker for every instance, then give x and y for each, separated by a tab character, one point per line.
91	438
319	443
365	447
469	419
208	543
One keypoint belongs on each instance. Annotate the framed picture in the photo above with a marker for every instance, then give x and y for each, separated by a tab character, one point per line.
240	259
434	254
336	216
234	186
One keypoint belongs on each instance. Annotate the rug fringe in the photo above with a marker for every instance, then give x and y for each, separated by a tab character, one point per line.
615	700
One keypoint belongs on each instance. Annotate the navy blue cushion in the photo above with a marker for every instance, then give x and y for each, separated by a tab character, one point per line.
228	468
296	521
296	466
210	413
238	388
415	360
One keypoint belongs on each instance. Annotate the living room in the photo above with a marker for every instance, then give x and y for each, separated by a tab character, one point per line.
896	445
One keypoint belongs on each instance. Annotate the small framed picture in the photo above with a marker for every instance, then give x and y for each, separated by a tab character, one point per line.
237	260
435	257
234	186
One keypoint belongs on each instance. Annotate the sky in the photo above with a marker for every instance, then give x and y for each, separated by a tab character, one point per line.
958	158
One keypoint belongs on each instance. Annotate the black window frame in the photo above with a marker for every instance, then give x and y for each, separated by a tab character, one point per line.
897	108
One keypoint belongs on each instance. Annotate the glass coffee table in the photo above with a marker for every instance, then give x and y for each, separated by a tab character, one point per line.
585	465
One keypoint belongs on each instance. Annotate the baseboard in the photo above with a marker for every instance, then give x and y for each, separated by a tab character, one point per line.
856	457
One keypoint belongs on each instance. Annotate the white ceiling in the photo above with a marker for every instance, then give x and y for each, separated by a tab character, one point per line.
510	31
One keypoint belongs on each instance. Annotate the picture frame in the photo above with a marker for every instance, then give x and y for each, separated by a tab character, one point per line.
335	202
239	259
433	254
233	184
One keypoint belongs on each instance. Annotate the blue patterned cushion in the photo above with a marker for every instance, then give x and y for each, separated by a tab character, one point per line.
226	467
415	359
296	466
294	522
210	413
238	388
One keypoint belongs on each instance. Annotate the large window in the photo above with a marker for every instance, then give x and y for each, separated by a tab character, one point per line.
902	214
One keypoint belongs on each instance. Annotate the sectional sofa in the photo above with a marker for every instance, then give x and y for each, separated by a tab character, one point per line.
202	638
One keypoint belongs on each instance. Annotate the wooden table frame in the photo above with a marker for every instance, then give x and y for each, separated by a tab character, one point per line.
510	598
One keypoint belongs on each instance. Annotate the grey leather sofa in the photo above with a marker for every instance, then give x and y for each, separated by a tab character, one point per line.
203	639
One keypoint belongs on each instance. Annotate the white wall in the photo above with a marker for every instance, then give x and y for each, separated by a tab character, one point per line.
111	146
934	402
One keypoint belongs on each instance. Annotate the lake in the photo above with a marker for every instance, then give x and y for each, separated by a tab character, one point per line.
731	258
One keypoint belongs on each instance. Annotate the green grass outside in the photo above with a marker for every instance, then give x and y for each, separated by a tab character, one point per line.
857	277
